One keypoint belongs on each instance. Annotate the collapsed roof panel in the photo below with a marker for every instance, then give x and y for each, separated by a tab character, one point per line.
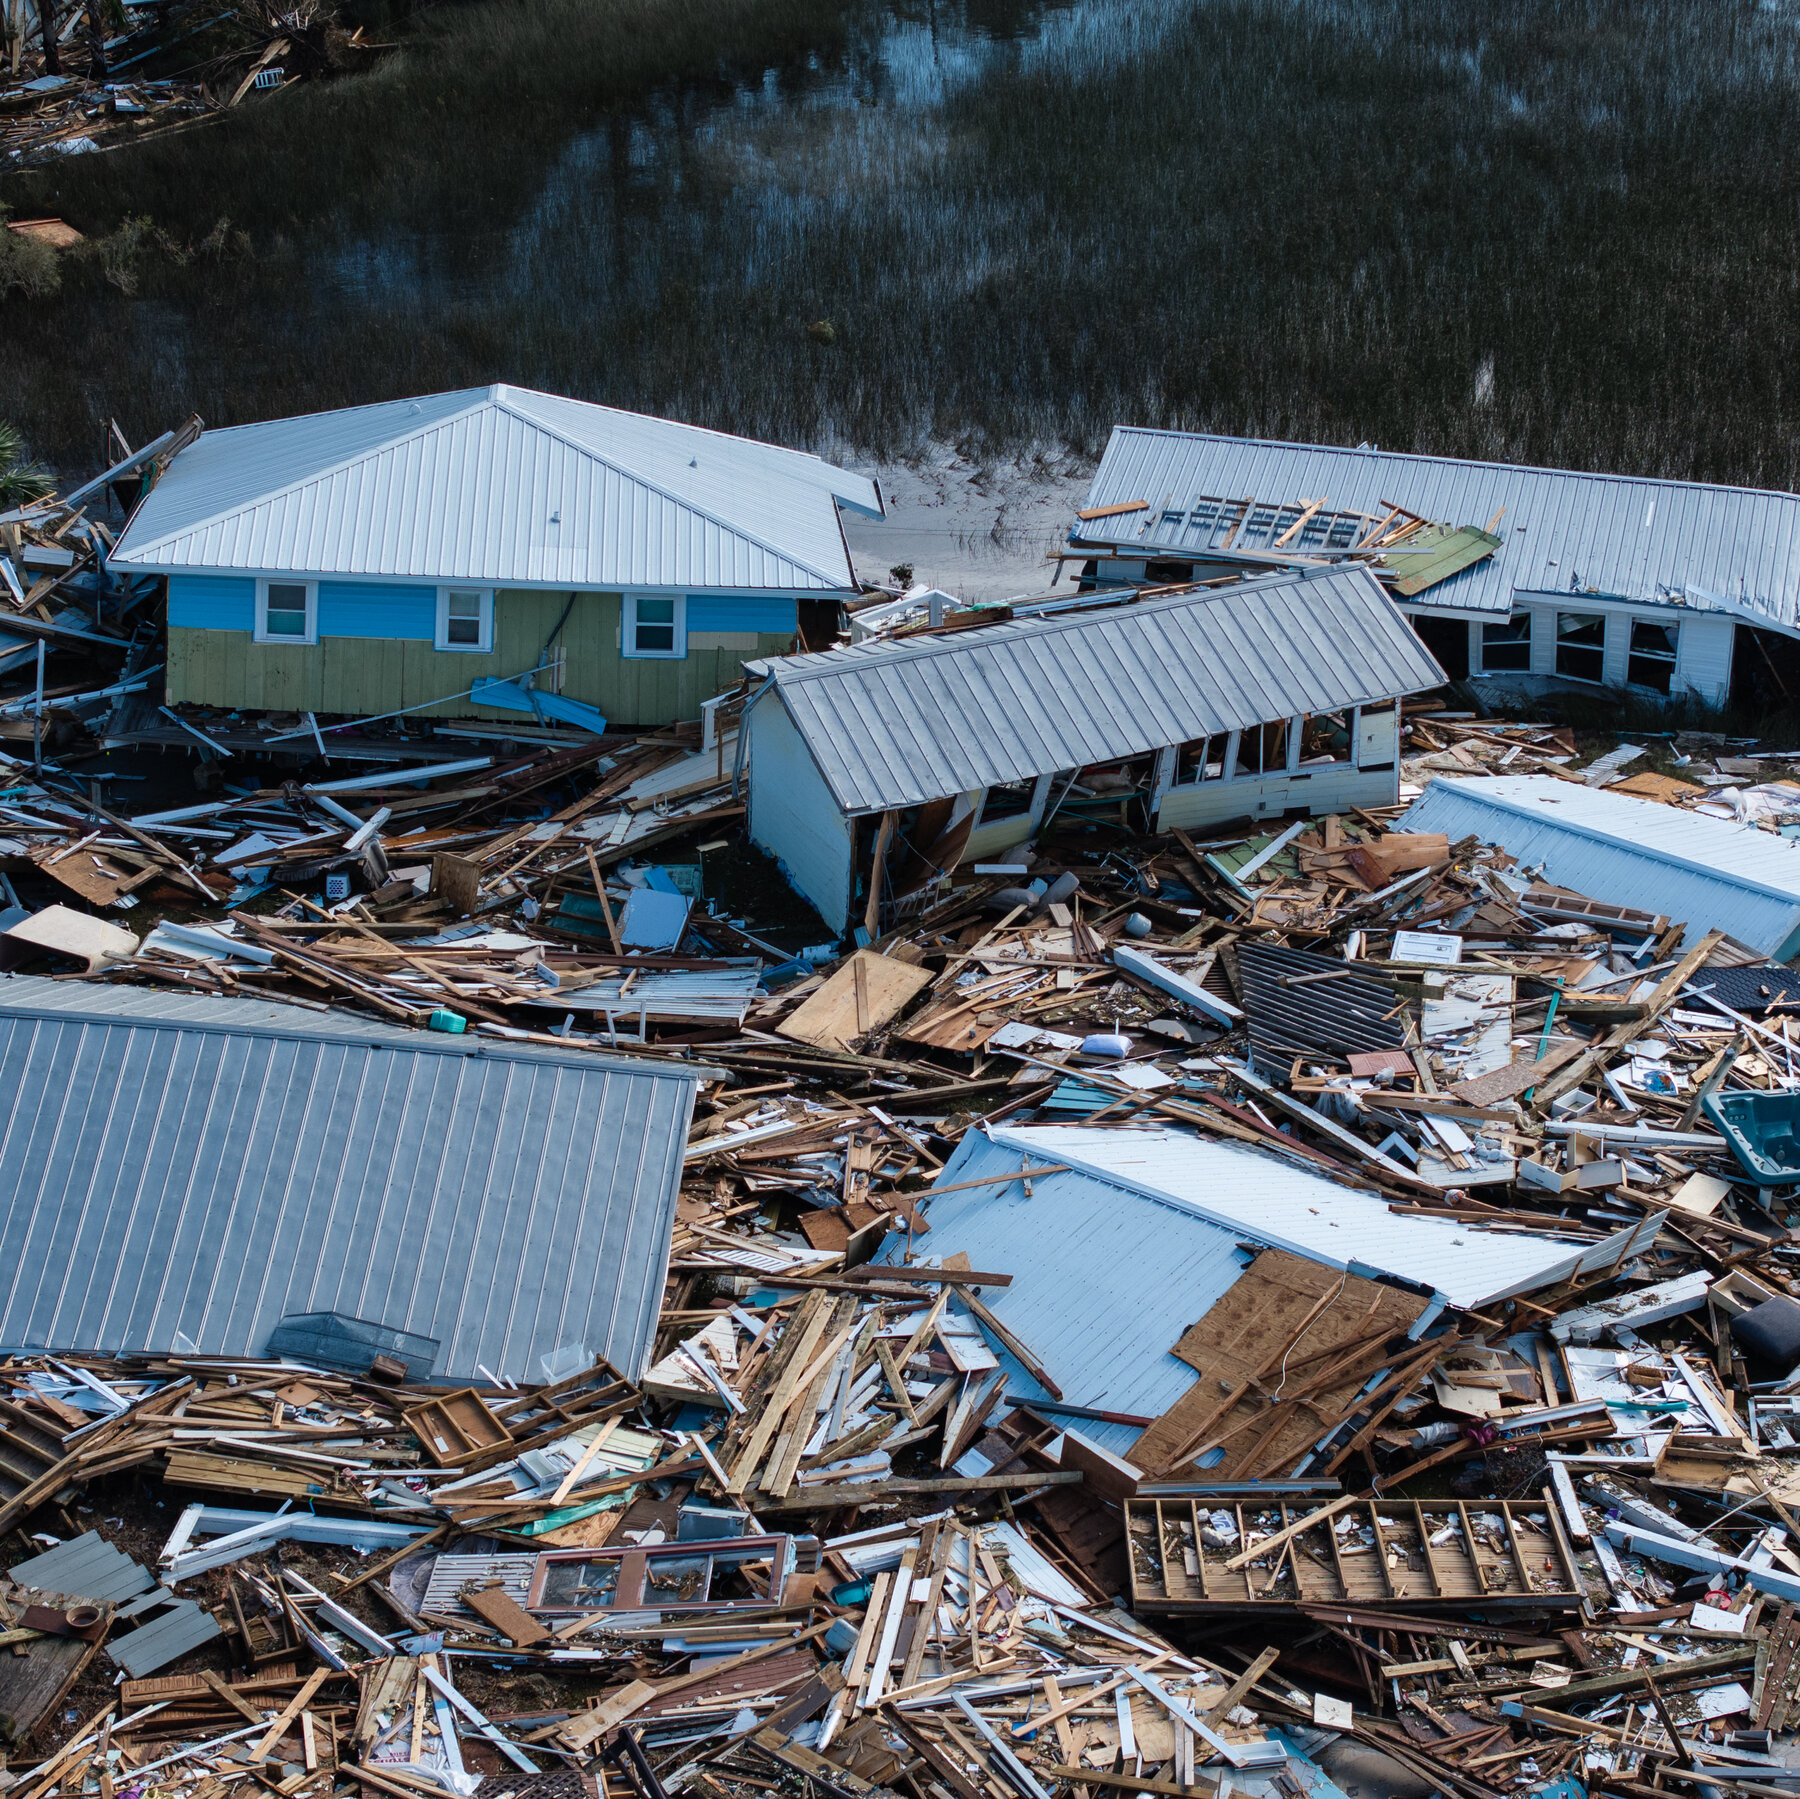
1562	531
1712	873
168	1175
1143	1231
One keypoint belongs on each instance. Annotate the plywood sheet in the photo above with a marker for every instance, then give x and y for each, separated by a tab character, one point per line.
1291	1327
851	1004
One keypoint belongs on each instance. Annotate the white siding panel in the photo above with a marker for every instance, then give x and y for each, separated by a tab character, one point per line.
794	817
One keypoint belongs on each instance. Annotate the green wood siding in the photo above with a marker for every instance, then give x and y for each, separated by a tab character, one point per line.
366	675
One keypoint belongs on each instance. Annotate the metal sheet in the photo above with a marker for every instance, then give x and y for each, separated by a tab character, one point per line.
164	1176
500	485
1347	1013
184	1626
1724	548
1710	873
897	723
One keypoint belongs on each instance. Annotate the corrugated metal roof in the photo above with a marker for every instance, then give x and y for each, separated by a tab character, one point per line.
500	485
1735	547
1113	1260
1709	873
166	1174
899	722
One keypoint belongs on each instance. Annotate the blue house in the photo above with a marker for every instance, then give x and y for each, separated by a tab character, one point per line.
479	553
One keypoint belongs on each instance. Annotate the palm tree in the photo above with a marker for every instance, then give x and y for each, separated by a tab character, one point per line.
21	480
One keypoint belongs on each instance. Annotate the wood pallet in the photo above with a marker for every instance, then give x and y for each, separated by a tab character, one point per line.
1527	1563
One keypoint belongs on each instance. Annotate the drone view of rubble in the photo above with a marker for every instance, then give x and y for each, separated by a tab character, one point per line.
634	1165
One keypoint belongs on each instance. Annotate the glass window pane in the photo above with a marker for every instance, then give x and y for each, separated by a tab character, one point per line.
1652	660
285	613
1580	645
656	612
1506	644
656	637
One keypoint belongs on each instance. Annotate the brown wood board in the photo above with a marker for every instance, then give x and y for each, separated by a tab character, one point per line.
853	1003
1281	1309
1526	1564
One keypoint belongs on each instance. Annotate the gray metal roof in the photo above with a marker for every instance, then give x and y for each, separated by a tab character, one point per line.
899	722
205	1174
1709	873
1735	549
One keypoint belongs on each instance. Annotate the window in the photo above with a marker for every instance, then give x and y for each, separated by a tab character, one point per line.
1011	799
1506	645
1652	659
1581	645
655	624
465	618
287	611
1324	739
1201	760
1263	748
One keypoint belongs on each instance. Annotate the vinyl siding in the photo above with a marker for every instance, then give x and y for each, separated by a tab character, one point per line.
766	617
356	674
374	609
793	815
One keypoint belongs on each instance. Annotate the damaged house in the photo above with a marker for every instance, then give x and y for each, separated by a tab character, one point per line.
874	769
488	553
1532	577
235	1177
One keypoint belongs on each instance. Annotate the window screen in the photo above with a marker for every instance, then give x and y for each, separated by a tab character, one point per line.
653	627
462	620
284	612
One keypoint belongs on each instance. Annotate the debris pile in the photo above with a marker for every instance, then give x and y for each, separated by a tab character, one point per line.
1168	1313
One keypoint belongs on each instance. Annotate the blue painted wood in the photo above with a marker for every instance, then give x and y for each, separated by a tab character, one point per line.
213	602
374	609
716	612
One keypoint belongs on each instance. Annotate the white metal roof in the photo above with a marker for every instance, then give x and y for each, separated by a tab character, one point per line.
1113	1260
1710	873
1724	548
500	485
897	722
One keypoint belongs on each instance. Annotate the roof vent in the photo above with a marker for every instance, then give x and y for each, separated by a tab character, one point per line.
556	516
693	462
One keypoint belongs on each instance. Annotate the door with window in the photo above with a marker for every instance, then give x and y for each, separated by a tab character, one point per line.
1654	648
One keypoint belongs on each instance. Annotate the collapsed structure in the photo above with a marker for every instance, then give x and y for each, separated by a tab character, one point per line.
873	770
1256	1257
1528	576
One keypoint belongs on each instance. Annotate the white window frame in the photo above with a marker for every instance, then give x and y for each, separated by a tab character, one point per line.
628	629
485	644
261	632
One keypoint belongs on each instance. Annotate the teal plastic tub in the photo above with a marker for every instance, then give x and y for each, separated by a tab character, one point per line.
1763	1130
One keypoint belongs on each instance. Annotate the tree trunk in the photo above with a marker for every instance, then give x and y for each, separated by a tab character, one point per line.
47	25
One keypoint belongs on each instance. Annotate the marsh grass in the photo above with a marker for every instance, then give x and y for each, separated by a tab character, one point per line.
1557	231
